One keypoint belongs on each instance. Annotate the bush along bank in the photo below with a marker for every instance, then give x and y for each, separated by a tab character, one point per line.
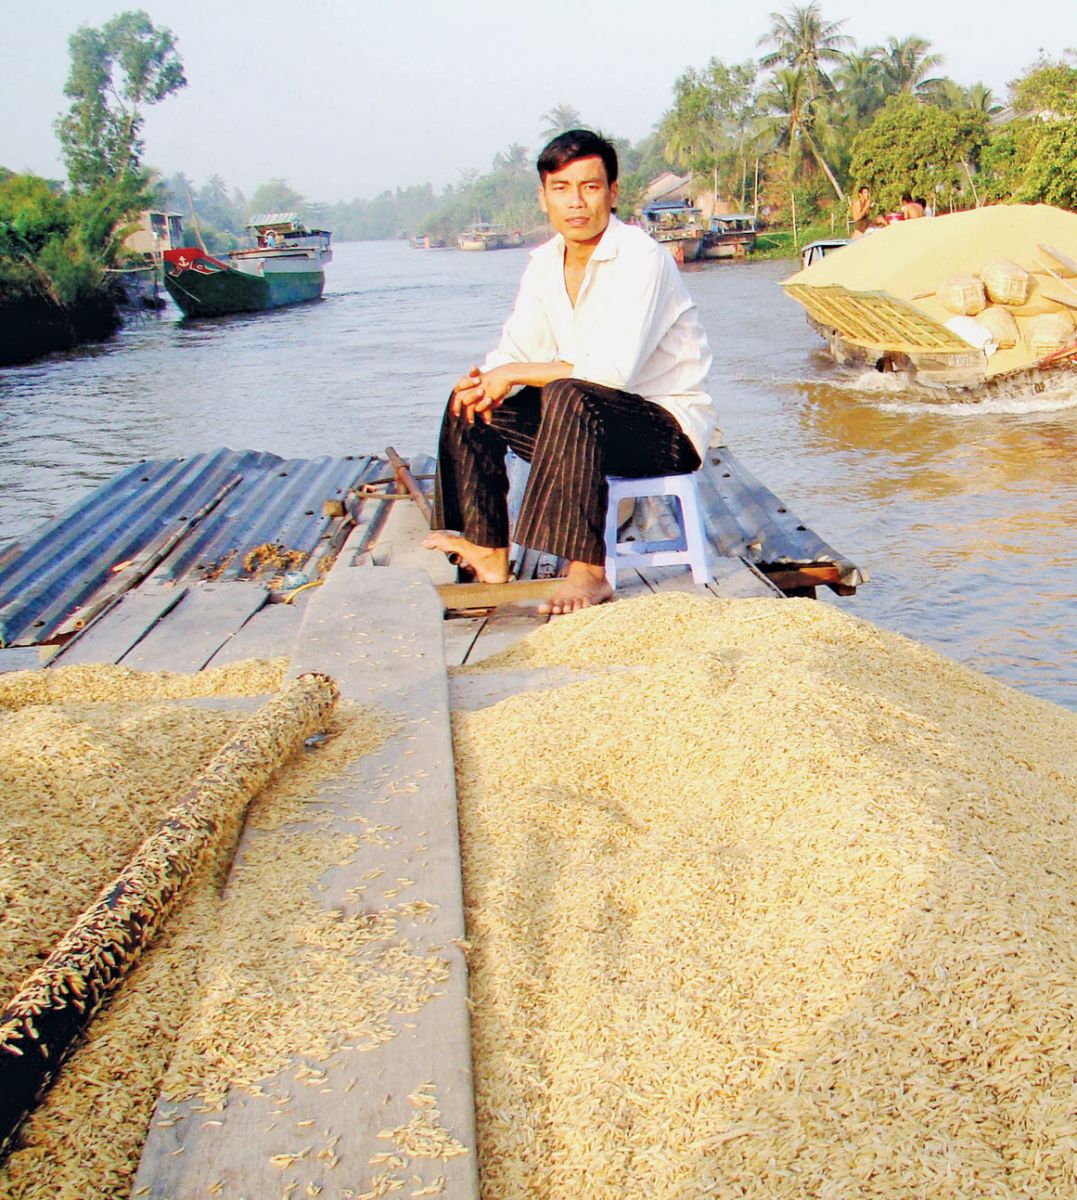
57	252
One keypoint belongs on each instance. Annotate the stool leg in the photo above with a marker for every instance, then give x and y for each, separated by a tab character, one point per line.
694	539
611	539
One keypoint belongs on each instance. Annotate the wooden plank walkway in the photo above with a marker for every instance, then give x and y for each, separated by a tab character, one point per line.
198	627
120	629
379	634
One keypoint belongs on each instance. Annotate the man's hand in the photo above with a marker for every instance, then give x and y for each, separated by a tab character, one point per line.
467	392
479	393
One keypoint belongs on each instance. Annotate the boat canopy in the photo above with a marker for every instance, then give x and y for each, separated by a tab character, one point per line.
288	221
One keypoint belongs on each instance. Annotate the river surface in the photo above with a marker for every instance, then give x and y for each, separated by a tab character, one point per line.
964	516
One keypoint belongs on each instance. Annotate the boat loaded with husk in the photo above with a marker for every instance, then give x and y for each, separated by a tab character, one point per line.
967	304
285	266
702	892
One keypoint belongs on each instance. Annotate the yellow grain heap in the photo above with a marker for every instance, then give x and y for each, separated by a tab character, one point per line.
57	766
90	759
779	905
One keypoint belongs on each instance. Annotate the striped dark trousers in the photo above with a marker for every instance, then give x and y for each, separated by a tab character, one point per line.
573	433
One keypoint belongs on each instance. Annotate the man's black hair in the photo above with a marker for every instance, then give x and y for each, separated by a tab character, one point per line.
574	144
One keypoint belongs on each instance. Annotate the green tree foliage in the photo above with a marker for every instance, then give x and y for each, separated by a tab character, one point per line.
907	64
115	71
791	125
560	119
802	40
707	130
388	215
275	196
916	147
47	242
1033	158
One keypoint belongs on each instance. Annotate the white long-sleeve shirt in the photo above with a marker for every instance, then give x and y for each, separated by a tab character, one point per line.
634	327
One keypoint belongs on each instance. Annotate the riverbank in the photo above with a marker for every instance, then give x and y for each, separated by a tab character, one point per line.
34	326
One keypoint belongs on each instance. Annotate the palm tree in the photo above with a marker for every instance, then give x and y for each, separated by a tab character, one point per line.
559	119
514	159
790	121
803	40
861	86
980	99
907	64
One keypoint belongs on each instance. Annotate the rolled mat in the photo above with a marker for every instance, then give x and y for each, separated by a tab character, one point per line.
41	1025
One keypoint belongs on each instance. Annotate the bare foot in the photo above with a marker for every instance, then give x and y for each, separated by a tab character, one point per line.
583	586
490	563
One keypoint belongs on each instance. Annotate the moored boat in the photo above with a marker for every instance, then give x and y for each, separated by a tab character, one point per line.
485	236
731	235
813	252
426	241
286	266
969	304
675	224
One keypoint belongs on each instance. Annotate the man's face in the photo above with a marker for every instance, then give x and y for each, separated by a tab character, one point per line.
578	199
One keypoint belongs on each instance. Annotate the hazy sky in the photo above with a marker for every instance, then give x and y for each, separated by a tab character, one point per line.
344	98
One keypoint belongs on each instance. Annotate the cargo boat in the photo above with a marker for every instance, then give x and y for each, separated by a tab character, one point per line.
731	235
675	224
885	302
285	266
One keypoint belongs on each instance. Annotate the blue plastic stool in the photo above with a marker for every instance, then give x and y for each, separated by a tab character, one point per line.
693	549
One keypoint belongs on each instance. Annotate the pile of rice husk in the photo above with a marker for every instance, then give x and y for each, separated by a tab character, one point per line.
85	773
778	904
91	759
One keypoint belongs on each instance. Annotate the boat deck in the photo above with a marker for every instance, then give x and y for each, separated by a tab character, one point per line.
387	620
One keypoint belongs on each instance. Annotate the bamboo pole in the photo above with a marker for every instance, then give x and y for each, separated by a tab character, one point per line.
54	1006
410	484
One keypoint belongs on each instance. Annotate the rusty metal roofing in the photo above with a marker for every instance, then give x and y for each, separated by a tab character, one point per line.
197	517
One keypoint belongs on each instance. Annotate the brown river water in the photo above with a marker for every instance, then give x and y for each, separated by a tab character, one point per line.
964	516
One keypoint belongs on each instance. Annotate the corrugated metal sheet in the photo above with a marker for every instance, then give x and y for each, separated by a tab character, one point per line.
199	518
746	520
60	566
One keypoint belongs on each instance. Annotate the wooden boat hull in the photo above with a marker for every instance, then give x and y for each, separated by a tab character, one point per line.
717	245
957	375
685	247
203	286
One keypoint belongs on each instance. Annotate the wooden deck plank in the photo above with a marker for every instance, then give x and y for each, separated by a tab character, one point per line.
731	578
400	543
196	629
470	692
20	658
502	629
460	634
116	633
268	633
378	633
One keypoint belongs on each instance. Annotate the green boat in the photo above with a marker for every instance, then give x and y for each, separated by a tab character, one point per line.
286	265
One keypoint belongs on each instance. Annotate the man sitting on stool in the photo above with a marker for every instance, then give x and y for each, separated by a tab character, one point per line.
599	371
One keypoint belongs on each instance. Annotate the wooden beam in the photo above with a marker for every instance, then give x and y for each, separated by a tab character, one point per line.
457	596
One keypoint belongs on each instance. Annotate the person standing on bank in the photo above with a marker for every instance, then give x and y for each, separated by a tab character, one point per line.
600	371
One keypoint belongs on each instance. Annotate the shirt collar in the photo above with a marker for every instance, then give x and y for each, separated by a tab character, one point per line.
606	248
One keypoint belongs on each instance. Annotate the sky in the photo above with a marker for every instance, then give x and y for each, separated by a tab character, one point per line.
346	98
